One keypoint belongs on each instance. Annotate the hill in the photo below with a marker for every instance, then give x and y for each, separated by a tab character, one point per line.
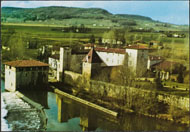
72	16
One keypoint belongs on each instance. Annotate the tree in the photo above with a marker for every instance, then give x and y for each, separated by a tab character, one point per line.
92	39
158	82
131	38
180	77
122	75
100	40
17	48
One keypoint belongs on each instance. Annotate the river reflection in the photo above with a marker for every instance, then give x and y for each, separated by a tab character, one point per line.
78	117
91	120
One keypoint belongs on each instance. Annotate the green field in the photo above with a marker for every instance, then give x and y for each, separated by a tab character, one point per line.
174	48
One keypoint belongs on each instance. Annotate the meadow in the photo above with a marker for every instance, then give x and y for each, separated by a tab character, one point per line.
174	48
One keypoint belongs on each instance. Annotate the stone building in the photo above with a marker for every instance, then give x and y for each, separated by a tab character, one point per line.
164	68
91	63
152	60
25	74
53	62
69	60
135	57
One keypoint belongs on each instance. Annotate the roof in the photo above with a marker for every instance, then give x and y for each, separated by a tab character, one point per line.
155	57
26	63
56	56
92	57
164	65
138	47
111	50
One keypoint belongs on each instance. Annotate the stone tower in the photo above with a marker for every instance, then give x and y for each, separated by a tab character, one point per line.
64	62
91	62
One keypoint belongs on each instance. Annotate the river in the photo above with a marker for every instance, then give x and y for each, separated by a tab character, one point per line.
78	117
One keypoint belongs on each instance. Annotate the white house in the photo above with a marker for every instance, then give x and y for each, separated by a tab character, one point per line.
53	63
111	56
137	58
111	41
152	60
25	74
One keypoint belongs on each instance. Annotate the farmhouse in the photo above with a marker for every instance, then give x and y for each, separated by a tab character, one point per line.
152	60
25	74
111	41
135	57
164	68
98	58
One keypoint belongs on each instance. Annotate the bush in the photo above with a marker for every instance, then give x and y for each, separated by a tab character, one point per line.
177	113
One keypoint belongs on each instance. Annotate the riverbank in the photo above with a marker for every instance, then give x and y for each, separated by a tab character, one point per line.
20	114
120	106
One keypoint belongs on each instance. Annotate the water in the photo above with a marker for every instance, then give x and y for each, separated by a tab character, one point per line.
78	117
4	125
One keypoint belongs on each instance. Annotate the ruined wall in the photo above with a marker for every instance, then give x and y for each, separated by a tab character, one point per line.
108	89
72	78
116	91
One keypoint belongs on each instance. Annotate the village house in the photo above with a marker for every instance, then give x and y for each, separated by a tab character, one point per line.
53	62
25	74
155	44
69	60
164	68
85	62
111	41
152	60
91	62
135	57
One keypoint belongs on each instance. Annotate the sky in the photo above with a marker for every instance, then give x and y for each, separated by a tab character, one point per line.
175	12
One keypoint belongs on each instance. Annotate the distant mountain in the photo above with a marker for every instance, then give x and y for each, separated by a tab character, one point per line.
135	17
59	13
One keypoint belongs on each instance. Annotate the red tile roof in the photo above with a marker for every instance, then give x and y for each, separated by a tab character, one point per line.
137	47
111	50
26	63
164	65
92	57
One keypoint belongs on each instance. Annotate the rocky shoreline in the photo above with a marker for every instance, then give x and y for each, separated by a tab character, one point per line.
20	114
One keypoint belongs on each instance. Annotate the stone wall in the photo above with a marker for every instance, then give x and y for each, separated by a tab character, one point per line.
72	78
111	90
116	91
